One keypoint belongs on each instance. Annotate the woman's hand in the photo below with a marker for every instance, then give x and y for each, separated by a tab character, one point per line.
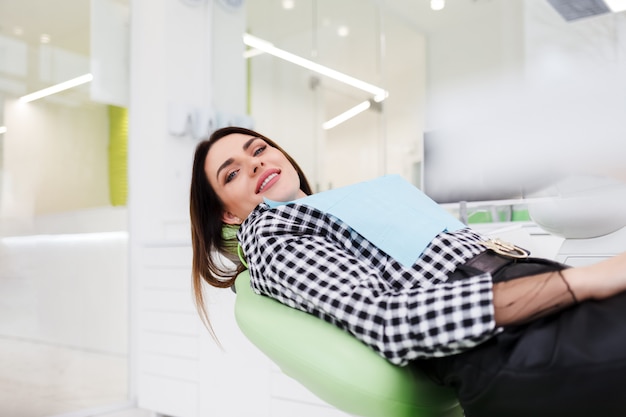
598	281
524	299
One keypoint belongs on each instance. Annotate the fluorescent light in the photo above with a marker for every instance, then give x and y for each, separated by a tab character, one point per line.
437	4
348	114
616	5
252	52
267	47
66	85
3	129
343	31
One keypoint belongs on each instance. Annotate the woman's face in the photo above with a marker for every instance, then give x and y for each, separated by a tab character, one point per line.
244	169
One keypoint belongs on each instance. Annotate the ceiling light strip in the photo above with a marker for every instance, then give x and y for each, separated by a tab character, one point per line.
252	41
437	4
57	88
348	114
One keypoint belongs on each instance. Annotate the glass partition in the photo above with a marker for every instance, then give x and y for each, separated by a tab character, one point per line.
63	233
346	99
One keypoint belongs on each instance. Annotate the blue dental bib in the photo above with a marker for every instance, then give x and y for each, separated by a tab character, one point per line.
388	211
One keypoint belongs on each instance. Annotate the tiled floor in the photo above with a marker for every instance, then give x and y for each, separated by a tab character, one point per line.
38	380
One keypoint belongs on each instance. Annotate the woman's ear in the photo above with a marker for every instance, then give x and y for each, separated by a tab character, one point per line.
230	218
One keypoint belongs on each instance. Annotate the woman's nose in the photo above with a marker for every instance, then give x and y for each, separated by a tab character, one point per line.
256	164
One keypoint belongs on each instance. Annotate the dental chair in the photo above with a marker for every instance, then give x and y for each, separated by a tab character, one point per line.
334	365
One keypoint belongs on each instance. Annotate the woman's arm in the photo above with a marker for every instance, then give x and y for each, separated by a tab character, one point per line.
524	299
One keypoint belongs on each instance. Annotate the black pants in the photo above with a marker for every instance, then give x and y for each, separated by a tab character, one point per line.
572	363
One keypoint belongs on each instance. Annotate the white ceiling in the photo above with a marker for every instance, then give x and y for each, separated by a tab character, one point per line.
67	21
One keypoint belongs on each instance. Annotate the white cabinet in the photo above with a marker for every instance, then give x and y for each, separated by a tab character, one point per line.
168	332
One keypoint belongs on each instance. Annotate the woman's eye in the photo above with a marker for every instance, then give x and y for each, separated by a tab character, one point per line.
259	150
231	175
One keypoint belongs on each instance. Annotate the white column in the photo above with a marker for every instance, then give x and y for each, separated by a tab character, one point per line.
184	55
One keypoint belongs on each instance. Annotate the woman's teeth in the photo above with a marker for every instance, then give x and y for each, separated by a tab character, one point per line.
268	179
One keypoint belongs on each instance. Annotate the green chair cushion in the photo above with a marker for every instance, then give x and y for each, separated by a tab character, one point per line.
334	365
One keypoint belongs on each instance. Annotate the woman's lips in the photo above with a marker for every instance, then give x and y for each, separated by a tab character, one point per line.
267	180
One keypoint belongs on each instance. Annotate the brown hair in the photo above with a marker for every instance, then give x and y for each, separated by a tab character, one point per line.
210	237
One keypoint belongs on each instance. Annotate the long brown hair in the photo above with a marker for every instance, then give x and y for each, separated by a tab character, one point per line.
210	237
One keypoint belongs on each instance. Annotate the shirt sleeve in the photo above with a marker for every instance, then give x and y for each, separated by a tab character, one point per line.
314	274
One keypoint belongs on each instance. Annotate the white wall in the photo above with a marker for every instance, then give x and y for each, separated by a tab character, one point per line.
55	159
472	57
68	290
475	64
528	97
575	81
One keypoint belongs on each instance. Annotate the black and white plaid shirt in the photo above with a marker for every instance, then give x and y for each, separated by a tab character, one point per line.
314	262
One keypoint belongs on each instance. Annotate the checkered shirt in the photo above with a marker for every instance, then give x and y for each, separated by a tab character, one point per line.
316	263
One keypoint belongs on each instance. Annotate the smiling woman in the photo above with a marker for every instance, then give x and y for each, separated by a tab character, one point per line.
243	170
441	297
225	188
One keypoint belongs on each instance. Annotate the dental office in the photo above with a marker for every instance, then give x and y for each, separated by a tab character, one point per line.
508	113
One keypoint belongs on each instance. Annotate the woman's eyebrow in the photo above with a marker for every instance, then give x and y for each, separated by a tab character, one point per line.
229	161
248	143
223	166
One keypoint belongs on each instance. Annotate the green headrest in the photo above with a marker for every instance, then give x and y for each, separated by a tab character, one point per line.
334	365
